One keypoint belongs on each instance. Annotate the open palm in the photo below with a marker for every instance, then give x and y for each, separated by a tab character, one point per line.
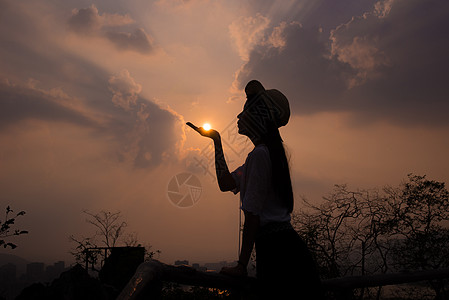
211	133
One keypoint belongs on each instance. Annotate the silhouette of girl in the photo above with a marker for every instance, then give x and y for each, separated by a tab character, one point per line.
284	266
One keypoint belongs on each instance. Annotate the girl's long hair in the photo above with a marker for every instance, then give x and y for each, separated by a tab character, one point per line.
280	166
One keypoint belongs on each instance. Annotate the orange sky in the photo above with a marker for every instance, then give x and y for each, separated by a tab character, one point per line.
94	97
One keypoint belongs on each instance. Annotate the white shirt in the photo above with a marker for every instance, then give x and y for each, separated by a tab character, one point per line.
254	182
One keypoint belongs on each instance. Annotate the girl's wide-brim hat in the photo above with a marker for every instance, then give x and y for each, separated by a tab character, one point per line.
277	102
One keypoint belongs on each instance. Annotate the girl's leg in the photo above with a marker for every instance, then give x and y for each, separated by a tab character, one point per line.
285	267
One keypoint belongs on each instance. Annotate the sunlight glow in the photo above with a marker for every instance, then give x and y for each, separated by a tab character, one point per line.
206	126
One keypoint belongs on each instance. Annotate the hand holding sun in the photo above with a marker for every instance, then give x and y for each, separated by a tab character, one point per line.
206	131
206	126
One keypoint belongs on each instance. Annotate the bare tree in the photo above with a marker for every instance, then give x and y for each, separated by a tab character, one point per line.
344	231
109	230
110	226
370	231
423	217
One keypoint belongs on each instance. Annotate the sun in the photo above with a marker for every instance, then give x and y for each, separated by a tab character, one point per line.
206	126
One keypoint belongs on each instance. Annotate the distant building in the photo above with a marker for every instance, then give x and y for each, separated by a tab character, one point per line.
8	273
59	266
197	267
35	271
53	272
181	262
216	266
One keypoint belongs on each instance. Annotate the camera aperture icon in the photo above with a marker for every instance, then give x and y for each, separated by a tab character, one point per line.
184	190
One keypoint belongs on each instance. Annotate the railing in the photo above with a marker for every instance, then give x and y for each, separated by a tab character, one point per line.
148	278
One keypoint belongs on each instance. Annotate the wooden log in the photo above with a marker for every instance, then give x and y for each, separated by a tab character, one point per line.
146	274
151	273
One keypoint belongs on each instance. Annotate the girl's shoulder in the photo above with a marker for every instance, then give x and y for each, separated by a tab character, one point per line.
260	151
261	148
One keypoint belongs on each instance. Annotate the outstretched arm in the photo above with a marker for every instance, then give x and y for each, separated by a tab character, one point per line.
224	177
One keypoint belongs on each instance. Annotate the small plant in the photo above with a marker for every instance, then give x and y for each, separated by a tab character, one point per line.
6	230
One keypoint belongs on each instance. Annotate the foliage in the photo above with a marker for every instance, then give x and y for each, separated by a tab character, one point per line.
344	230
425	240
5	228
83	252
370	231
131	240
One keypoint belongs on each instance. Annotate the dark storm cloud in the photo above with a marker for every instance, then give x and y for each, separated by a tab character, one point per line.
137	130
20	103
326	14
157	135
390	64
85	20
148	133
138	40
400	54
301	68
88	21
56	86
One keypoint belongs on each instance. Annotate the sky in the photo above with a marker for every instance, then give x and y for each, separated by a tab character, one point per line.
94	96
